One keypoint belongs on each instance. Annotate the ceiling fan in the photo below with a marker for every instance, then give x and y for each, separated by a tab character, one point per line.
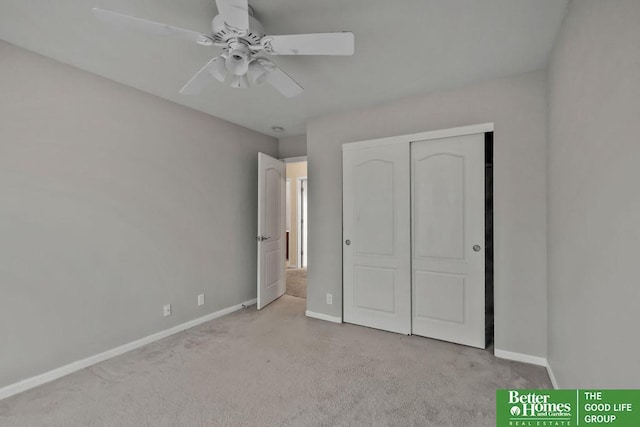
242	39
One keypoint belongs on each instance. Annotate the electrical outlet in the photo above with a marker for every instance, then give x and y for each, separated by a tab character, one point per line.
329	298
200	300
167	310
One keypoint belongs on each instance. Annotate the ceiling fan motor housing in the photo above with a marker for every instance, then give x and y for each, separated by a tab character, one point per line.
222	33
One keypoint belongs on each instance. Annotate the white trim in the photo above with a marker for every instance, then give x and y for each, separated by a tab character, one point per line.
552	377
520	357
299	219
287	197
54	374
422	136
294	159
322	316
247	304
527	358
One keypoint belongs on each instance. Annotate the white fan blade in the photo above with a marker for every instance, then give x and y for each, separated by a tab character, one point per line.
150	27
281	80
235	13
201	79
310	44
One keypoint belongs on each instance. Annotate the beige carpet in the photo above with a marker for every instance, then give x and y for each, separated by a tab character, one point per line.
277	367
297	282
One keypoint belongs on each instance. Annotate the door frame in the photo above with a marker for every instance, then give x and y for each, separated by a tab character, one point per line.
295	159
286	160
287	215
299	223
420	136
407	139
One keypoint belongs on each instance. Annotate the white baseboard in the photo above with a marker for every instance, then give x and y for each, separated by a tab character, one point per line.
526	358
250	302
321	316
54	374
520	357
552	377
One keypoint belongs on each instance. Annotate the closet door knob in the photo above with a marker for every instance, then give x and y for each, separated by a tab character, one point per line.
476	248
347	242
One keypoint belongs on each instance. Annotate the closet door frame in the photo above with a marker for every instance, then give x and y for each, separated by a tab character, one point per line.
421	136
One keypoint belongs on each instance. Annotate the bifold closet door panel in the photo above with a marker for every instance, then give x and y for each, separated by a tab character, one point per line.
448	236
376	237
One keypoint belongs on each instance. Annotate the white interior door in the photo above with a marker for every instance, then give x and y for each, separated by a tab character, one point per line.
376	237
448	259
271	229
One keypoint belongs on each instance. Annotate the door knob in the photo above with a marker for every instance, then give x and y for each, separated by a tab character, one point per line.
262	238
476	248
347	242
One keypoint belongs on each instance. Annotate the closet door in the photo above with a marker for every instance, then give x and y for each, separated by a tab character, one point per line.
376	237
447	202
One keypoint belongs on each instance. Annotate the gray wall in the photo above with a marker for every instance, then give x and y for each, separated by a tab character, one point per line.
594	197
292	146
113	203
517	106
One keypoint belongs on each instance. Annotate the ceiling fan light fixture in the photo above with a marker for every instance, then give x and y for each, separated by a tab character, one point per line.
238	59
240	82
257	73
237	65
219	70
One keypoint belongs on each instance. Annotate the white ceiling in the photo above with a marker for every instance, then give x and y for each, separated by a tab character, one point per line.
403	47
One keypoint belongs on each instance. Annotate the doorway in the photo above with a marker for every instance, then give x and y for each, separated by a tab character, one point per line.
296	227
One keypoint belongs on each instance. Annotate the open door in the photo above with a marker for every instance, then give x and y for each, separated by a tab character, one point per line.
271	229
